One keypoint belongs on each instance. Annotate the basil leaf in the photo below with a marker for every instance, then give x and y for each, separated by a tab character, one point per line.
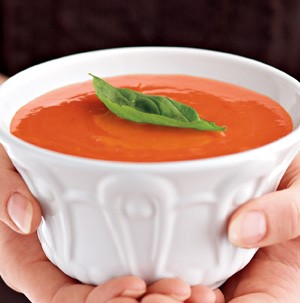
134	106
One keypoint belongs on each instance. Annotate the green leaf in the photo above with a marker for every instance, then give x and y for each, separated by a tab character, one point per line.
159	110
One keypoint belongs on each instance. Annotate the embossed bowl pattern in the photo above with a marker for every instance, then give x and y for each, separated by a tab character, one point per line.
104	219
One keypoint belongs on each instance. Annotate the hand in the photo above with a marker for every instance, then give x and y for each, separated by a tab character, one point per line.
2	78
25	268
273	275
272	218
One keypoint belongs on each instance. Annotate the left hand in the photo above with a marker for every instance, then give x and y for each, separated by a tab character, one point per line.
273	275
272	218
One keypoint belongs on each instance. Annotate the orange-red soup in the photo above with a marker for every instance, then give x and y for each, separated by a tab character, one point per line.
72	120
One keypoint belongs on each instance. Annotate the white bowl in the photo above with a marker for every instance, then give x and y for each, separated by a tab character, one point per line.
104	219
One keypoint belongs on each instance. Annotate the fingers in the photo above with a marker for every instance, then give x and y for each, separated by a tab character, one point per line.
173	288
124	287
18	208
199	298
175	291
219	296
2	78
272	218
27	269
203	294
157	298
119	290
122	300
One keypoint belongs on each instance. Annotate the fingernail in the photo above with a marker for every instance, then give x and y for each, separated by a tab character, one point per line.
133	293
20	211
248	229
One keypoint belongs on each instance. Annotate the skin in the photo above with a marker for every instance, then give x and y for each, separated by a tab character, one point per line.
273	275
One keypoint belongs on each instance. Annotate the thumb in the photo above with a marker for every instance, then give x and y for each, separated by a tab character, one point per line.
18	208
270	219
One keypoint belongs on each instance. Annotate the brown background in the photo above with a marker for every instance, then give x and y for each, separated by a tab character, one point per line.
34	31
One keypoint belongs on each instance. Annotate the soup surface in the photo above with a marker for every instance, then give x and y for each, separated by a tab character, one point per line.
72	120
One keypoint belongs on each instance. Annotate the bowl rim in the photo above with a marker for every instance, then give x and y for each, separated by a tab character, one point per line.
262	152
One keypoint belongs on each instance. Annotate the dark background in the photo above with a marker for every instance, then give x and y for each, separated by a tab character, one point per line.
34	31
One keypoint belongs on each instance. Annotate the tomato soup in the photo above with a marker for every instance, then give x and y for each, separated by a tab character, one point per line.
72	120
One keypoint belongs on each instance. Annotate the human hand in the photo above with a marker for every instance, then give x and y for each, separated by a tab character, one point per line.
272	218
2	78
25	268
273	275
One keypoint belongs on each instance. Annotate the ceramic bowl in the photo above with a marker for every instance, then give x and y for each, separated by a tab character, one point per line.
104	219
